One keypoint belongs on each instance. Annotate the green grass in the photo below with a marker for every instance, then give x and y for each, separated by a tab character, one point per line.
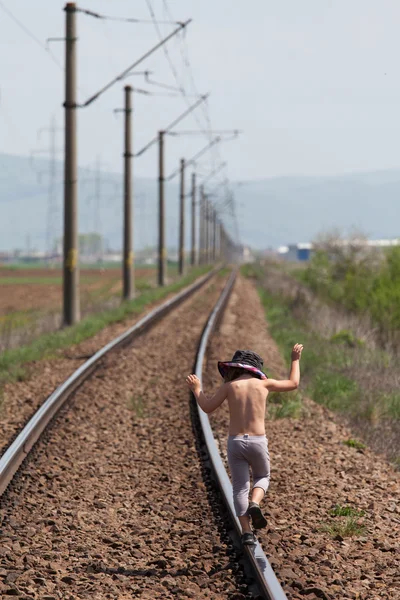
347	338
390	405
334	390
326	363
352	443
137	405
347	524
348	527
283	405
19	318
42	280
346	511
12	362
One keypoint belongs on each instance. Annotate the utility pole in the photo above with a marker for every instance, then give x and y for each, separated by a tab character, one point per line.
128	276
201	227
206	227
182	221
214	230
222	243
218	224
161	213
193	252
71	308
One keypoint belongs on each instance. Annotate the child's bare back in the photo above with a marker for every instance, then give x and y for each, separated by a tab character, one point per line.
246	389
246	398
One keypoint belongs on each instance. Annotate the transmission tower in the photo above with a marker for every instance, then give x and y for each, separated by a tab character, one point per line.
94	222
53	216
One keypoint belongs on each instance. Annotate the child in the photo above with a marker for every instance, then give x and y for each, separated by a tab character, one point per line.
246	388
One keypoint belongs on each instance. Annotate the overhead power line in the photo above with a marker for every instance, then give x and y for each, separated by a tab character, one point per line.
171	125
96	15
173	69
30	34
186	61
135	64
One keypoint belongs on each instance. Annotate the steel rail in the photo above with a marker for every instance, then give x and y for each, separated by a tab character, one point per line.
24	442
267	581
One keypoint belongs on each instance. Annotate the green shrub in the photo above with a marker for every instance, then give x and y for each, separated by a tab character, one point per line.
347	338
354	444
361	281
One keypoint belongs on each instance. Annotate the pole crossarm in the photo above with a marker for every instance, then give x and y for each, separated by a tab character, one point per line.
171	125
195	157
234	133
96	15
134	65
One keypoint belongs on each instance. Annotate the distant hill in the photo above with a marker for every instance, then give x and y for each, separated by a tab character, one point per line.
272	212
295	209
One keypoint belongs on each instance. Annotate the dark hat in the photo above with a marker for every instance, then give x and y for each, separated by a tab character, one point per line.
244	359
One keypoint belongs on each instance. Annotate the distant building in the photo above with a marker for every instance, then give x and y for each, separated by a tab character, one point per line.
303	251
296	252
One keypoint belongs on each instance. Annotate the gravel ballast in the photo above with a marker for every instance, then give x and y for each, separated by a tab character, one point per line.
116	501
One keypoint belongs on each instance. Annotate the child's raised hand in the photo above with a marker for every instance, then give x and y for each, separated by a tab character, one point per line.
194	383
296	351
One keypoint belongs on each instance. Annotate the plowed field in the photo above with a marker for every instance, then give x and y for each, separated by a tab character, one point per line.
24	290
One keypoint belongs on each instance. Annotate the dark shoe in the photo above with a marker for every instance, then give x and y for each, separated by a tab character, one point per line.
257	518
249	539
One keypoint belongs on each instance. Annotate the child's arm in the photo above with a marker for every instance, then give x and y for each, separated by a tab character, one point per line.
207	404
287	385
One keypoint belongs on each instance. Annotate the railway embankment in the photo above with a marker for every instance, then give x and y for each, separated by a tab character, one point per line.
333	510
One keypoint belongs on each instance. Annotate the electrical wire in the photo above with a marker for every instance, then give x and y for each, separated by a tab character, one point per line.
205	106
91	13
30	34
172	66
216	154
186	62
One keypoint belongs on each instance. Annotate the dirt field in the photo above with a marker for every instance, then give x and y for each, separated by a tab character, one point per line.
23	290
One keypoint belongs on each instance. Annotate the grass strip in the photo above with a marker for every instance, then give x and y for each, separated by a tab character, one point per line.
322	361
12	361
51	280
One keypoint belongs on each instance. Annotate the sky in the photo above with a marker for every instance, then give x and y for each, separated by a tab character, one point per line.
314	86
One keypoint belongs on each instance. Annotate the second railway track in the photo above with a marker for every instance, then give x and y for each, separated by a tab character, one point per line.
117	501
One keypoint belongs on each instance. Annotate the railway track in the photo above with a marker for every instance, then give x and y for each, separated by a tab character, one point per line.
59	562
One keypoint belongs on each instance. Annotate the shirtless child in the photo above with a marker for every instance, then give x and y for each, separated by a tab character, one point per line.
246	388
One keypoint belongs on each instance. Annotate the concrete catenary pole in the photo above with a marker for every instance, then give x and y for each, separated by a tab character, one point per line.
207	230
161	214
201	227
193	251
128	275
71	307
218	239
223	245
182	220
214	233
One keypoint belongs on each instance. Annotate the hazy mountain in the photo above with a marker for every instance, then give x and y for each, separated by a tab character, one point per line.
292	209
271	212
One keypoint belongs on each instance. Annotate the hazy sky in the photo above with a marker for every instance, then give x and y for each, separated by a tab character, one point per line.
313	84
